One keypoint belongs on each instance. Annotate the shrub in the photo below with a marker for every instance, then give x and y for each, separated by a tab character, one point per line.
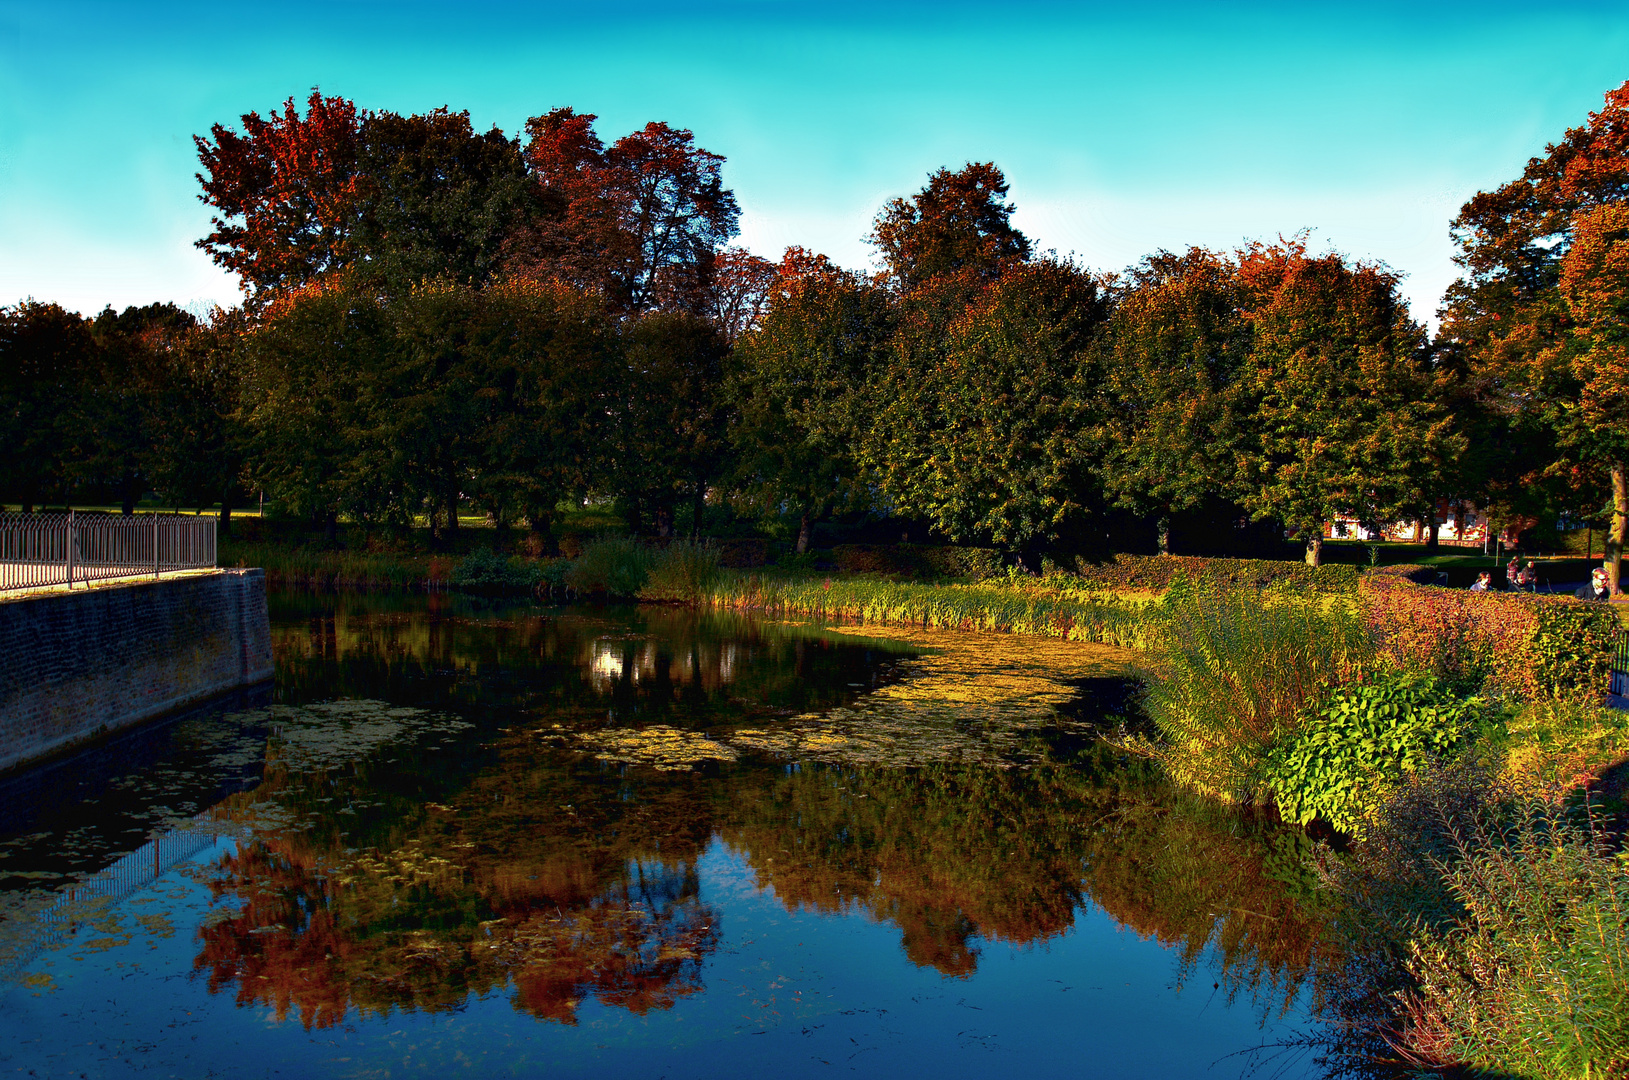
1351	750
1528	647
682	571
1481	927
1157	572
741	553
1420	575
1235	671
486	571
919	560
614	567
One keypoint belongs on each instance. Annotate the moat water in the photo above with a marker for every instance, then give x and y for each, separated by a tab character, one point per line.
463	838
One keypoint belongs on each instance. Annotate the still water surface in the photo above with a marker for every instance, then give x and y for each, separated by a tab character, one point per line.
516	840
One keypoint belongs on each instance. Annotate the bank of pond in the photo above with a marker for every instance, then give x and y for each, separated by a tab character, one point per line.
465	832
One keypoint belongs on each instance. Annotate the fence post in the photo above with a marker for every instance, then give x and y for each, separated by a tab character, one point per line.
155	545
69	555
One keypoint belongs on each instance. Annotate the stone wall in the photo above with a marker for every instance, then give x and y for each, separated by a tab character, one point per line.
76	665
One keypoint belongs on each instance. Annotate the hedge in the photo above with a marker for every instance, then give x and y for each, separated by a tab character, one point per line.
918	560
1526	646
1155	572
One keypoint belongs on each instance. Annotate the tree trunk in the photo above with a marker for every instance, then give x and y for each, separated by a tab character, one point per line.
697	505
1163	534
1431	538
452	513
1315	548
226	515
805	529
1620	523
330	528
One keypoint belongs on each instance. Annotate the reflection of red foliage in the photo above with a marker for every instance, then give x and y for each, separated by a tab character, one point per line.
300	942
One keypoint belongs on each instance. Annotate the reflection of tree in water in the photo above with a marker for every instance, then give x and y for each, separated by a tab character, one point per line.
409	887
954	854
514	885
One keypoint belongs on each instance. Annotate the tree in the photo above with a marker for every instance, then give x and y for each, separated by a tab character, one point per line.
800	391
549	355
49	365
395	198
1508	322
643	220
1174	348
986	432
438	199
670	427
287	193
741	291
310	377
1594	421
958	223
1341	417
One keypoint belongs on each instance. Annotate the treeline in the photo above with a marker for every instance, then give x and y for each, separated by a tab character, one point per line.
436	317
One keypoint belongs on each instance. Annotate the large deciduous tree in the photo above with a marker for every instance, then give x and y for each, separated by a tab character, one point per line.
985	431
800	391
1173	351
643	219
1528	343
959	223
1341	414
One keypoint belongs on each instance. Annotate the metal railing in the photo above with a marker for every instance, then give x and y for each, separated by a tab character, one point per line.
1620	665
38	550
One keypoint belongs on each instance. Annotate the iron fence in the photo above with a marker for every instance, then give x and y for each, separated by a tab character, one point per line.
37	550
1620	665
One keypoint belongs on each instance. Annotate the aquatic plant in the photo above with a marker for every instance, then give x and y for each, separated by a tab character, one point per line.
617	566
1101	618
1235	672
683	572
486	571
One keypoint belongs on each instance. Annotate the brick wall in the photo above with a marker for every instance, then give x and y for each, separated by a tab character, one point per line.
75	665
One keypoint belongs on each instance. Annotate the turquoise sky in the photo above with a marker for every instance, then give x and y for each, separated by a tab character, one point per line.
1121	130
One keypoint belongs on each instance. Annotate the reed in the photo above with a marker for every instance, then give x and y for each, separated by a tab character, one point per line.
1012	610
307	568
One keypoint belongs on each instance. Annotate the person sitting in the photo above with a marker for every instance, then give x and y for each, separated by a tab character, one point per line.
1513	573
1483	581
1528	579
1598	587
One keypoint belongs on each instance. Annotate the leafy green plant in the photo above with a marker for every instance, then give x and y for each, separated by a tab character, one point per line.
1236	670
1354	747
618	566
486	571
683	571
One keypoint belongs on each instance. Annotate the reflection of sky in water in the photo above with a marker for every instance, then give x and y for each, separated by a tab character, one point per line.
434	893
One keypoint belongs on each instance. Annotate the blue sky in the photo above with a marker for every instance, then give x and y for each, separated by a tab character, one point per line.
1120	130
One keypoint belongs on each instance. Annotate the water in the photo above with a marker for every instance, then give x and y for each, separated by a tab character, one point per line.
513	840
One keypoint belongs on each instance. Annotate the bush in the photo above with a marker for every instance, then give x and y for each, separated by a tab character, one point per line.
614	567
1157	572
1420	575
1351	750
1235	671
682	572
486	571
741	553
919	560
1528	647
1482	927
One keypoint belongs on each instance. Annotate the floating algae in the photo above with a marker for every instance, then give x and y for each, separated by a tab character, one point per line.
668	749
965	697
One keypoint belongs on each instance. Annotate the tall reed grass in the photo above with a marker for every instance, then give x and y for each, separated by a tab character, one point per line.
683	572
306	568
616	566
1235	670
1482	926
953	607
